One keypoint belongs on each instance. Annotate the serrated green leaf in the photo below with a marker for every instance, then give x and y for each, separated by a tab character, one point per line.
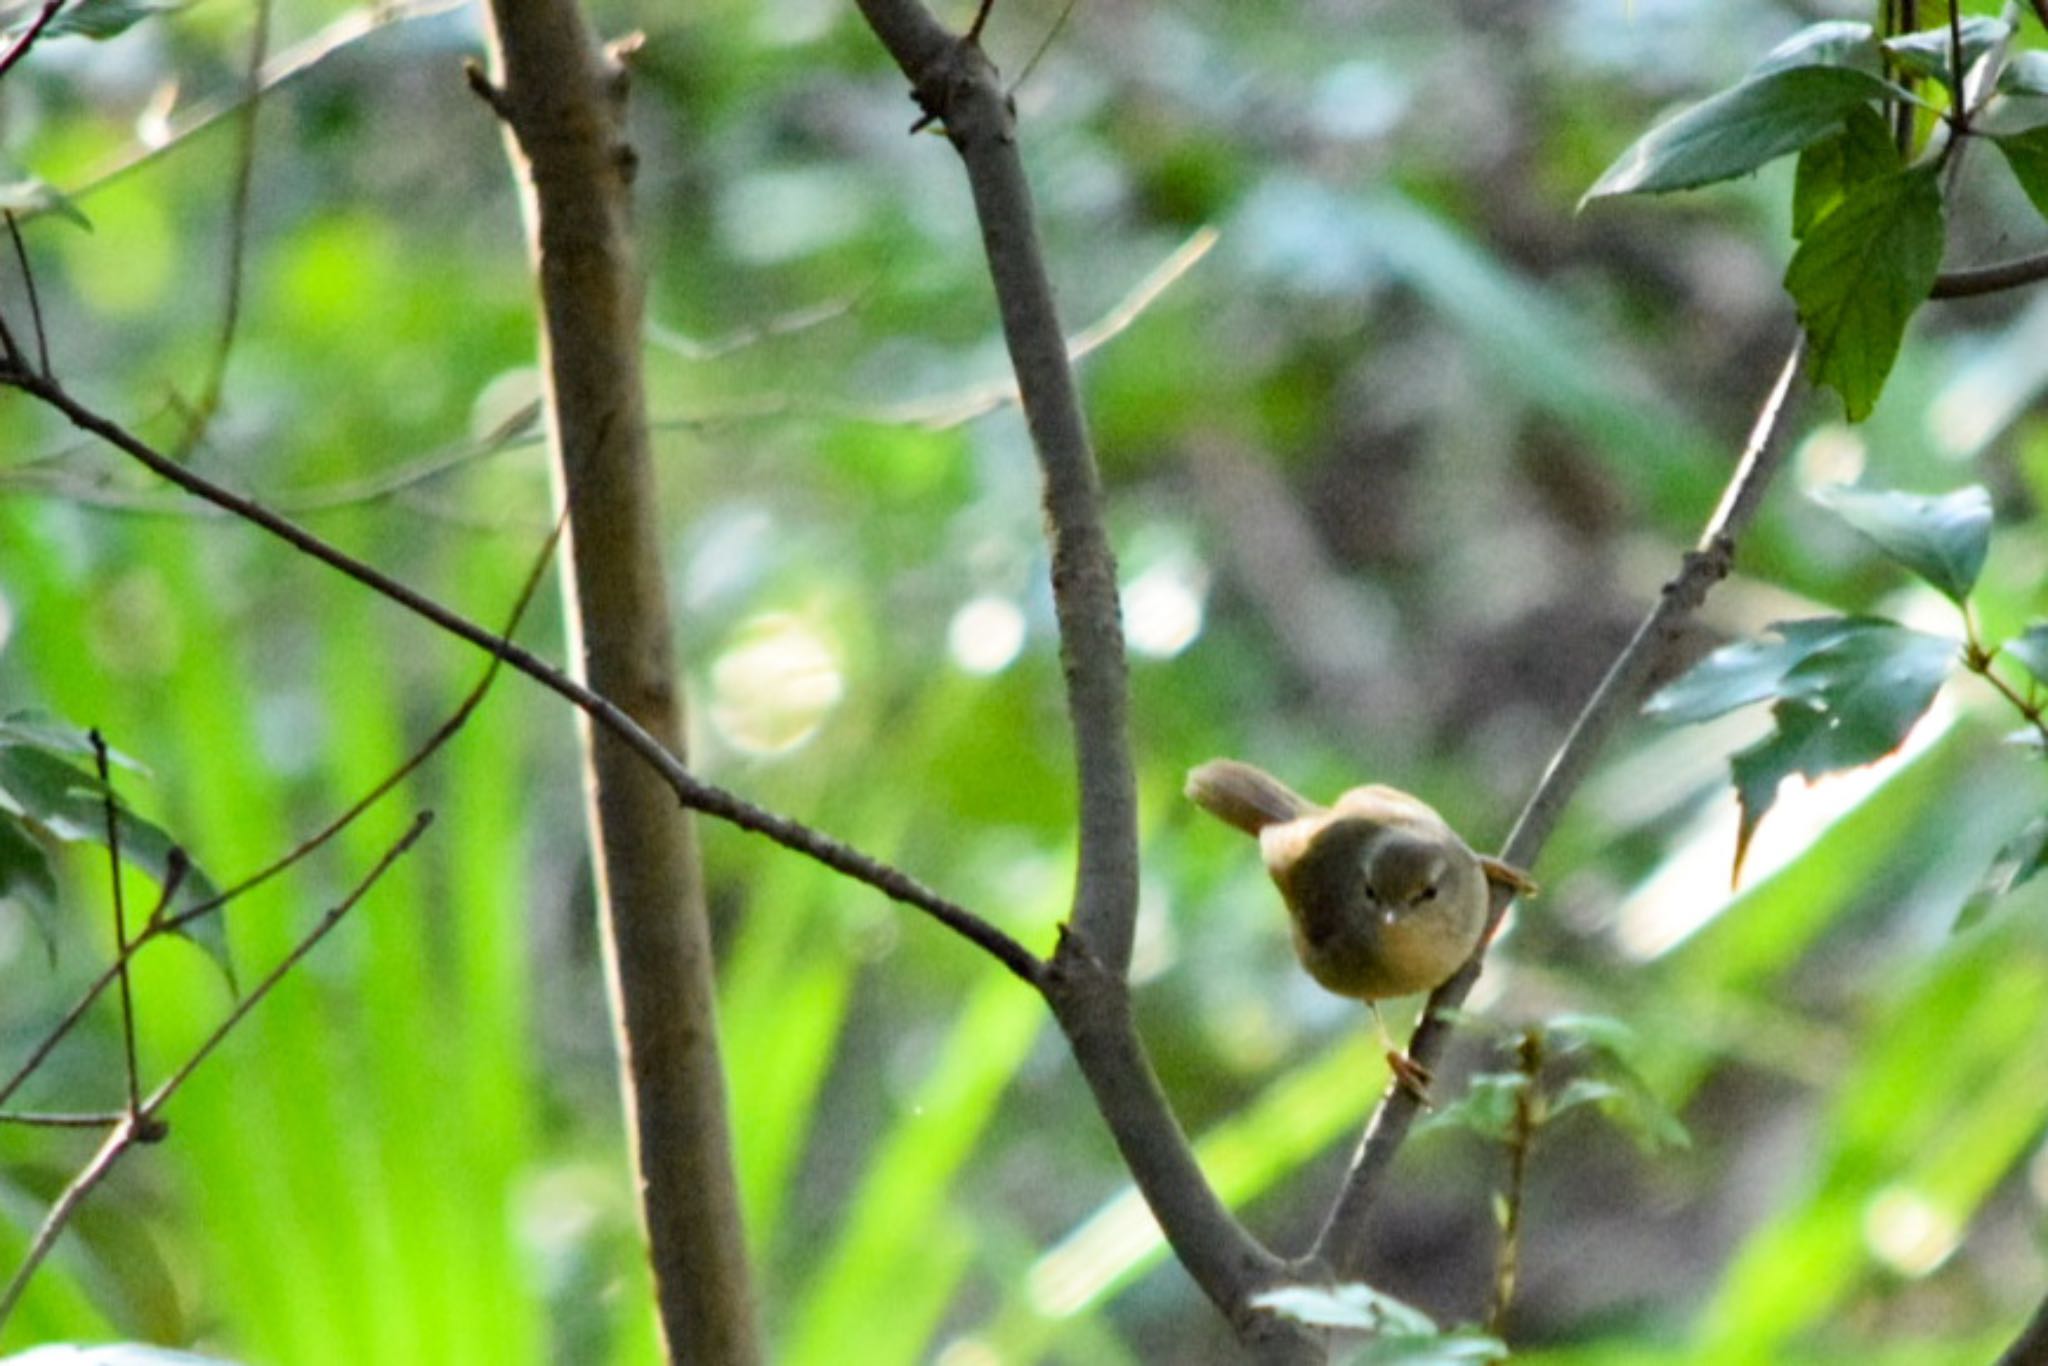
2030	648
1354	1305
2027	154
1741	128
2025	74
1487	1108
1859	275
1829	169
1748	671
1927	52
1943	538
1832	42
67	803
1845	705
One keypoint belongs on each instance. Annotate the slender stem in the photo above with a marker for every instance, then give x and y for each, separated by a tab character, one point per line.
1341	1244
111	809
955	83
20	46
1528	1118
692	791
35	304
141	1124
1974	281
208	403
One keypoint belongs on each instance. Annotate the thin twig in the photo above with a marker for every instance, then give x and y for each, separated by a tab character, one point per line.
169	1086
1973	281
691	790
142	1124
980	18
113	818
177	865
1341	1243
19	48
208	404
287	66
1528	1117
174	876
35	304
1044	46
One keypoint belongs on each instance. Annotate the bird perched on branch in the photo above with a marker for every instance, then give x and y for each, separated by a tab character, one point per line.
1386	899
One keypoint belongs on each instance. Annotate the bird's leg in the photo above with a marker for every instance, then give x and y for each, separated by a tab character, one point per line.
1409	1074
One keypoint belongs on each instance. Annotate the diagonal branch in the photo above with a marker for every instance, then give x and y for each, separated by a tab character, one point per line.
1341	1244
691	790
143	1123
1086	983
956	84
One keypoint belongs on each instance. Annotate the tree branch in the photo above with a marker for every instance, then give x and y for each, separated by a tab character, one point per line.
1341	1244
690	790
142	1123
1975	281
955	83
2030	1348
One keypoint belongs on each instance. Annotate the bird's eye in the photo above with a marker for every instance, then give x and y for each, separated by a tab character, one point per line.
1428	893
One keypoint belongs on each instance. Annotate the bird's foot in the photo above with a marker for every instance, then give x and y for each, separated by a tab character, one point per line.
1411	1076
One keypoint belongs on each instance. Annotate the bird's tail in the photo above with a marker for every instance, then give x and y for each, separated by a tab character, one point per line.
1243	796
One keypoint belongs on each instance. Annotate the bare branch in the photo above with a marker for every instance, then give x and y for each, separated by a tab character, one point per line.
1341	1243
691	790
208	403
112	811
35	304
19	48
955	83
142	1124
1974	281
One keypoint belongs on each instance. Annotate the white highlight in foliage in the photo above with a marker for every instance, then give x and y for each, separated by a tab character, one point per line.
986	634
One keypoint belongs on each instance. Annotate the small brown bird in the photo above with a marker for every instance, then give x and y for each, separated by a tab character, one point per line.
1385	898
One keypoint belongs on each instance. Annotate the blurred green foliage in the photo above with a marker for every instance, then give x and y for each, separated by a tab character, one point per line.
1392	472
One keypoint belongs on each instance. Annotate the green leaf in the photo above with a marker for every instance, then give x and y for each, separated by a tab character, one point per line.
1943	538
27	879
1748	671
2030	648
1583	1091
1832	42
2018	860
100	20
42	787
1741	128
1848	703
1601	1034
1859	275
1628	1103
25	196
2027	154
2025	74
1927	52
1487	1108
1829	169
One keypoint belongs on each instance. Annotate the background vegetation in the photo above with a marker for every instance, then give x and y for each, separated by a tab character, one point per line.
1393	469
